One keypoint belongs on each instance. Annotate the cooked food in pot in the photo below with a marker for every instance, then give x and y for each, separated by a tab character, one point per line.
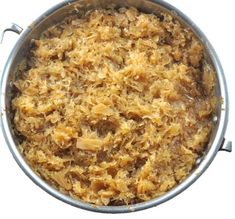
116	106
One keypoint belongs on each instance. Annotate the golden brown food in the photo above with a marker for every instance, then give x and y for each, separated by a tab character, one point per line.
116	106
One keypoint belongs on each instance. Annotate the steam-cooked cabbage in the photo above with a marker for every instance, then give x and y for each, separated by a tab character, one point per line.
116	106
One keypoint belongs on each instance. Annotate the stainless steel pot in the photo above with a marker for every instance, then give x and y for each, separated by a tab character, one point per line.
55	15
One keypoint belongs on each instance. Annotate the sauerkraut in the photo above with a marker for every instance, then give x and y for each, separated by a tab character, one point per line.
116	106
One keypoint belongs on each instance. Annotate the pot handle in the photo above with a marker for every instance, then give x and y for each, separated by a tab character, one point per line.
226	146
10	27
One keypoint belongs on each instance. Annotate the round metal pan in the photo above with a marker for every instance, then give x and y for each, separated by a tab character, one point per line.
57	14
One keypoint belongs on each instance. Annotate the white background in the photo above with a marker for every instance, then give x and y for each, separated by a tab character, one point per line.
212	196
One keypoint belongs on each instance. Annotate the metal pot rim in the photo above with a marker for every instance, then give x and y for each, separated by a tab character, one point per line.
218	140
